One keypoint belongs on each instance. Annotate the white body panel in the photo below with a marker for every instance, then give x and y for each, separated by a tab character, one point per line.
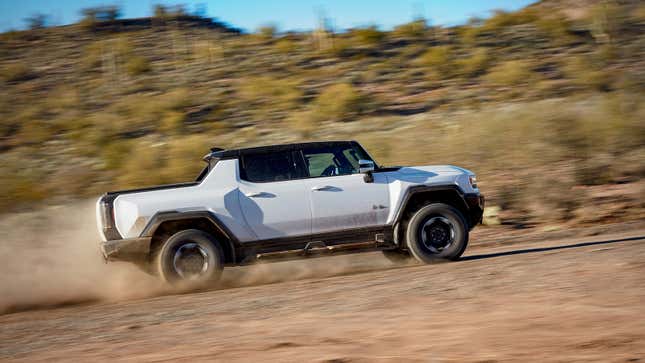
217	193
401	180
347	201
278	209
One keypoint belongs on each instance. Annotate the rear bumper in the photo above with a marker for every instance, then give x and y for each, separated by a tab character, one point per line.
130	249
476	204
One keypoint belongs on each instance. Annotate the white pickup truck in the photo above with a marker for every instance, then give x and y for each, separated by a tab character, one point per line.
290	201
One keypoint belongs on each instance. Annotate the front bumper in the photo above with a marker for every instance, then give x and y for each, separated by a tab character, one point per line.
130	249
476	204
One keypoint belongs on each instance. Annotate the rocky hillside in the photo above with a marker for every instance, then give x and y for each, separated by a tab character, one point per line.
539	94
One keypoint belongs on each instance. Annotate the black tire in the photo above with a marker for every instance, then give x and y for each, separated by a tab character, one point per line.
190	258
437	232
397	256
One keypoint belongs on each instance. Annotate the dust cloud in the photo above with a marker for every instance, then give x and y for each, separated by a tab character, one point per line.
51	257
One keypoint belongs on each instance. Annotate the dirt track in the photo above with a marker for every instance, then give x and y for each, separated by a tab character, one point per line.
562	300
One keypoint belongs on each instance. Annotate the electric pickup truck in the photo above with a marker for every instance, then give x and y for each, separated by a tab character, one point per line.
289	201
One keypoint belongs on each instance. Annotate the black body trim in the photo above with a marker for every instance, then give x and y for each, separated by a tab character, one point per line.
107	214
347	236
167	216
129	249
473	202
246	251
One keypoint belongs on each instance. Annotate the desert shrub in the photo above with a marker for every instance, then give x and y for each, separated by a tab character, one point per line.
208	51
37	21
413	30
468	34
511	73
338	102
267	32
115	153
92	55
268	92
20	180
607	20
557	202
172	121
501	19
367	37
303	122
144	166
555	27
17	72
586	74
138	65
92	16
285	46
438	60
183	158
176	99
474	65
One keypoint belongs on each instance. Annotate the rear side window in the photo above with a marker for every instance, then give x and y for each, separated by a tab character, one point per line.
269	167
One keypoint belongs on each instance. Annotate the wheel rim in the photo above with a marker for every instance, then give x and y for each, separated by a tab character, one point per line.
190	261
437	234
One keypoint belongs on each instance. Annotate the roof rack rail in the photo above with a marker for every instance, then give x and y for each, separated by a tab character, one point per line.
216	149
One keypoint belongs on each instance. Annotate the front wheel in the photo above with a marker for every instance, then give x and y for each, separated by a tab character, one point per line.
437	232
191	258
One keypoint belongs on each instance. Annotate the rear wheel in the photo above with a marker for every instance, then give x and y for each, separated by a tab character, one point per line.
437	232
191	258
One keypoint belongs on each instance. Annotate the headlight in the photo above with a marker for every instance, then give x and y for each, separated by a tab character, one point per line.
473	181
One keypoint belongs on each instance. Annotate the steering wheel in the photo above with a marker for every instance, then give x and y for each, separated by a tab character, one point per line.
329	171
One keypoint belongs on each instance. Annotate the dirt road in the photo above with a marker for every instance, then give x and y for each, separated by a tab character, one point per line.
574	299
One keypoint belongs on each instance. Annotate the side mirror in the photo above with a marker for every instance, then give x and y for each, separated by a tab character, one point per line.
365	166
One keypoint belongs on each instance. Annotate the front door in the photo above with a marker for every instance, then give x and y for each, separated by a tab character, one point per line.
340	197
273	197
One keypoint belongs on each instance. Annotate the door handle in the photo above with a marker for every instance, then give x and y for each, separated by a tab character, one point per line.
322	188
256	194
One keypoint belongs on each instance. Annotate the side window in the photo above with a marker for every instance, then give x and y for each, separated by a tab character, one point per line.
331	160
269	167
319	162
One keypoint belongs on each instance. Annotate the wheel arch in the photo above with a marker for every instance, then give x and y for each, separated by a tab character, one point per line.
163	224
418	196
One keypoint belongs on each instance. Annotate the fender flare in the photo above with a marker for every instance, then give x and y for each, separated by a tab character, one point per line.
410	192
166	216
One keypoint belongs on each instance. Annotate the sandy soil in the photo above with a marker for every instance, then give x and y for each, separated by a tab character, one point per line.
574	295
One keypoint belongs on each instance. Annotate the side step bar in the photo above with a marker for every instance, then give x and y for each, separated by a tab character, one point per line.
317	248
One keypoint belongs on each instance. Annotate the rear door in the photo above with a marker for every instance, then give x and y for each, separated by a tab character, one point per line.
273	197
340	197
